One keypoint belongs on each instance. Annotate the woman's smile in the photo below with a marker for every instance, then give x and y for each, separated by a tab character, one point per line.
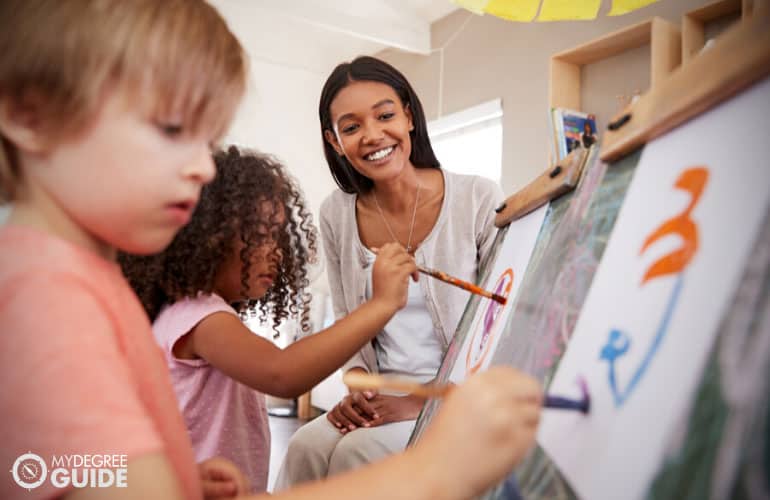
381	155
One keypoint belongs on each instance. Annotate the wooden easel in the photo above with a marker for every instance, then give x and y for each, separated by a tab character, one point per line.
554	182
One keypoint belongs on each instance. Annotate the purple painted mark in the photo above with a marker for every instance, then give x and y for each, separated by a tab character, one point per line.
492	312
493	309
478	351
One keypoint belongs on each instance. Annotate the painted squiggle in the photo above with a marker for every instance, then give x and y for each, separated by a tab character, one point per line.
619	343
478	353
693	181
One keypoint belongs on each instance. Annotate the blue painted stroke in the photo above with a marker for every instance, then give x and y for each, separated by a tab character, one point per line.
618	344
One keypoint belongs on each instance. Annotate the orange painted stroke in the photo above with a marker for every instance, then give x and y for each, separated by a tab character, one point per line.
692	180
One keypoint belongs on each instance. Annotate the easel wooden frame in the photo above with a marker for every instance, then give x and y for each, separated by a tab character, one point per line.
663	37
740	57
552	183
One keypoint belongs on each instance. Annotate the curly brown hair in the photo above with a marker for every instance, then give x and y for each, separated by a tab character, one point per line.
228	210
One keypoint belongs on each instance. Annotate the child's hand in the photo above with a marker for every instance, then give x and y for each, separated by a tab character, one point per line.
390	276
485	426
353	411
221	478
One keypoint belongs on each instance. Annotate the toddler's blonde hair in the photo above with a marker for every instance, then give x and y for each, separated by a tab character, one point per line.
174	58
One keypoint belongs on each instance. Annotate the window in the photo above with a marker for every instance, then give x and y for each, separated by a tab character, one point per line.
471	141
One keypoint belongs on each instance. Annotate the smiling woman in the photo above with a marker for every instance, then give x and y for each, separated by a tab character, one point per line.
392	189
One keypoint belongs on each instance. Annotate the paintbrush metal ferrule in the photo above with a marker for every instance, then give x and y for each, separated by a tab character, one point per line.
558	402
582	405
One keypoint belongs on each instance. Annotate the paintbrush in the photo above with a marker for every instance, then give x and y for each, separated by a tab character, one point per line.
440	275
363	381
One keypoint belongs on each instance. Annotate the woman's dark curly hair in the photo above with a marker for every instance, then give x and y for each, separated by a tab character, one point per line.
228	209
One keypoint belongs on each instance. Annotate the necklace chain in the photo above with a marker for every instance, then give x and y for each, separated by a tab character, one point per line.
411	226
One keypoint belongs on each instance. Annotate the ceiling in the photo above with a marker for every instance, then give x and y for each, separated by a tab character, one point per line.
316	35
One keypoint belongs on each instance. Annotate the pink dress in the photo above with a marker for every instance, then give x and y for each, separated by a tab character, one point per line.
224	417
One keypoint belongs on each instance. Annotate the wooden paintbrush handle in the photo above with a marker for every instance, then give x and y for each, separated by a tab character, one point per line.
363	381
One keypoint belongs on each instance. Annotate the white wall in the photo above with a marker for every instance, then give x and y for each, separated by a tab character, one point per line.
279	115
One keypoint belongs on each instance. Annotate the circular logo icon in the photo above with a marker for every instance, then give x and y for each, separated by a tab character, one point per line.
29	471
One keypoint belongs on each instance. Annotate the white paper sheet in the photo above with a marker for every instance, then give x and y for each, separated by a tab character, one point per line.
655	334
504	279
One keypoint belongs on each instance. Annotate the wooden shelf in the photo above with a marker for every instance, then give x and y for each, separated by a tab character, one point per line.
694	23
663	37
740	57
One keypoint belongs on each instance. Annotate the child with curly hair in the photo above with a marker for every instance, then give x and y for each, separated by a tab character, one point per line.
245	251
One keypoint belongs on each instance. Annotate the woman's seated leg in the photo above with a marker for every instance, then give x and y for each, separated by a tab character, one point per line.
367	445
308	454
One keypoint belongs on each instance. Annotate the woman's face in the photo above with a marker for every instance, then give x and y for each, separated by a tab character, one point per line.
371	129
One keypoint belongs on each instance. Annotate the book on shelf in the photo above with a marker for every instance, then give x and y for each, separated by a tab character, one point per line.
571	129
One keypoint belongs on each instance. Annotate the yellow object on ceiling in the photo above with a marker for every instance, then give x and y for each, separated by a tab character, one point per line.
550	10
